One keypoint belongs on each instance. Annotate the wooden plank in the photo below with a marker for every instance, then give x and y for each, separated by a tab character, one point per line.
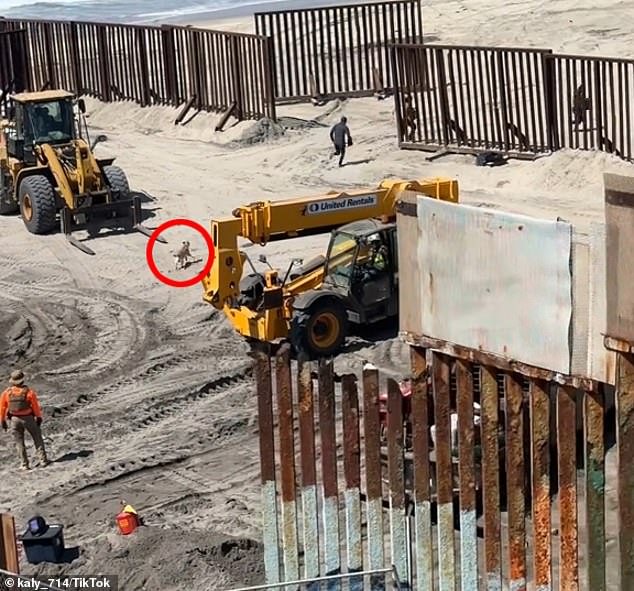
8	546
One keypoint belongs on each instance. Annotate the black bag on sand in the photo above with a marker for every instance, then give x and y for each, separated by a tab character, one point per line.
490	158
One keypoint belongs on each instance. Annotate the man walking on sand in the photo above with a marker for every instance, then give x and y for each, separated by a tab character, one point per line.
20	406
340	137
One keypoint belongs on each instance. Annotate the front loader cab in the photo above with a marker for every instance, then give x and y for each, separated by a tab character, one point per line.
49	121
38	118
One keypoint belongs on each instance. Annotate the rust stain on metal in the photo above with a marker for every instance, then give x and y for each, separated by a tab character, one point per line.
351	444
540	452
172	63
327	51
514	451
396	473
595	487
467	477
373	475
420	451
625	450
352	472
270	535
568	527
420	424
285	412
310	512
441	373
395	444
444	472
328	440
306	423
265	415
287	461
490	429
328	436
466	436
372	433
306	402
488	359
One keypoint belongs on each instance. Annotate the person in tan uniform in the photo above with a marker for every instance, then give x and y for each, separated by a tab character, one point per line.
20	406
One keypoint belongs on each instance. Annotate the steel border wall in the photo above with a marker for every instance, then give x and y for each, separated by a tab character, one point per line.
374	493
14	71
478	98
165	65
516	100
340	50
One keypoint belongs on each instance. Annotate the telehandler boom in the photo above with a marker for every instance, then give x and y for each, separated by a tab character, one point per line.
315	305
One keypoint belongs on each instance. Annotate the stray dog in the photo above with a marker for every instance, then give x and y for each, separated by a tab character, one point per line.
182	255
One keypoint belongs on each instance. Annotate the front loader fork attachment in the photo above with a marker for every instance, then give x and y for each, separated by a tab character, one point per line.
66	220
134	212
137	218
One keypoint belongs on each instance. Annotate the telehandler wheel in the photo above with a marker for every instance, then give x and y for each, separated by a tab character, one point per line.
38	205
118	181
321	330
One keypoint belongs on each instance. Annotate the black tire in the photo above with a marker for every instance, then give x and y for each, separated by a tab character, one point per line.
38	205
319	331
118	182
8	207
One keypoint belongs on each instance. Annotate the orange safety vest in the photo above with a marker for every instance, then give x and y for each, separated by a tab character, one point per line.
19	404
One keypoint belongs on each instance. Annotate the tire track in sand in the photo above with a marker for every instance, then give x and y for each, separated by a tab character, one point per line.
119	332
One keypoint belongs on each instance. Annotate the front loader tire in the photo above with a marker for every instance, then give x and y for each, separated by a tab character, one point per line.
319	331
118	182
38	205
8	207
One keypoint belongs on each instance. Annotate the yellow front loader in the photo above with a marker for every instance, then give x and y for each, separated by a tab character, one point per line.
315	304
47	168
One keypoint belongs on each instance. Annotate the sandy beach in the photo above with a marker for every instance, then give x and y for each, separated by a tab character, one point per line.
146	389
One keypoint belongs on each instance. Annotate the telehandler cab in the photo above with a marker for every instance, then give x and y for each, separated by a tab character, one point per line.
359	287
47	167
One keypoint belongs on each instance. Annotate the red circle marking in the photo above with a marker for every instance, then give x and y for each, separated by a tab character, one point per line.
172	224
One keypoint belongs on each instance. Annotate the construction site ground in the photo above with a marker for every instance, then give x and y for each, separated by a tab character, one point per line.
147	390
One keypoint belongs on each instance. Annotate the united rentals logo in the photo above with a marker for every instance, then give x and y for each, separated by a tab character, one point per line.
340	203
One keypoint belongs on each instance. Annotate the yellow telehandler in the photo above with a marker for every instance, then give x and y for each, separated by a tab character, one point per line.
47	167
356	283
